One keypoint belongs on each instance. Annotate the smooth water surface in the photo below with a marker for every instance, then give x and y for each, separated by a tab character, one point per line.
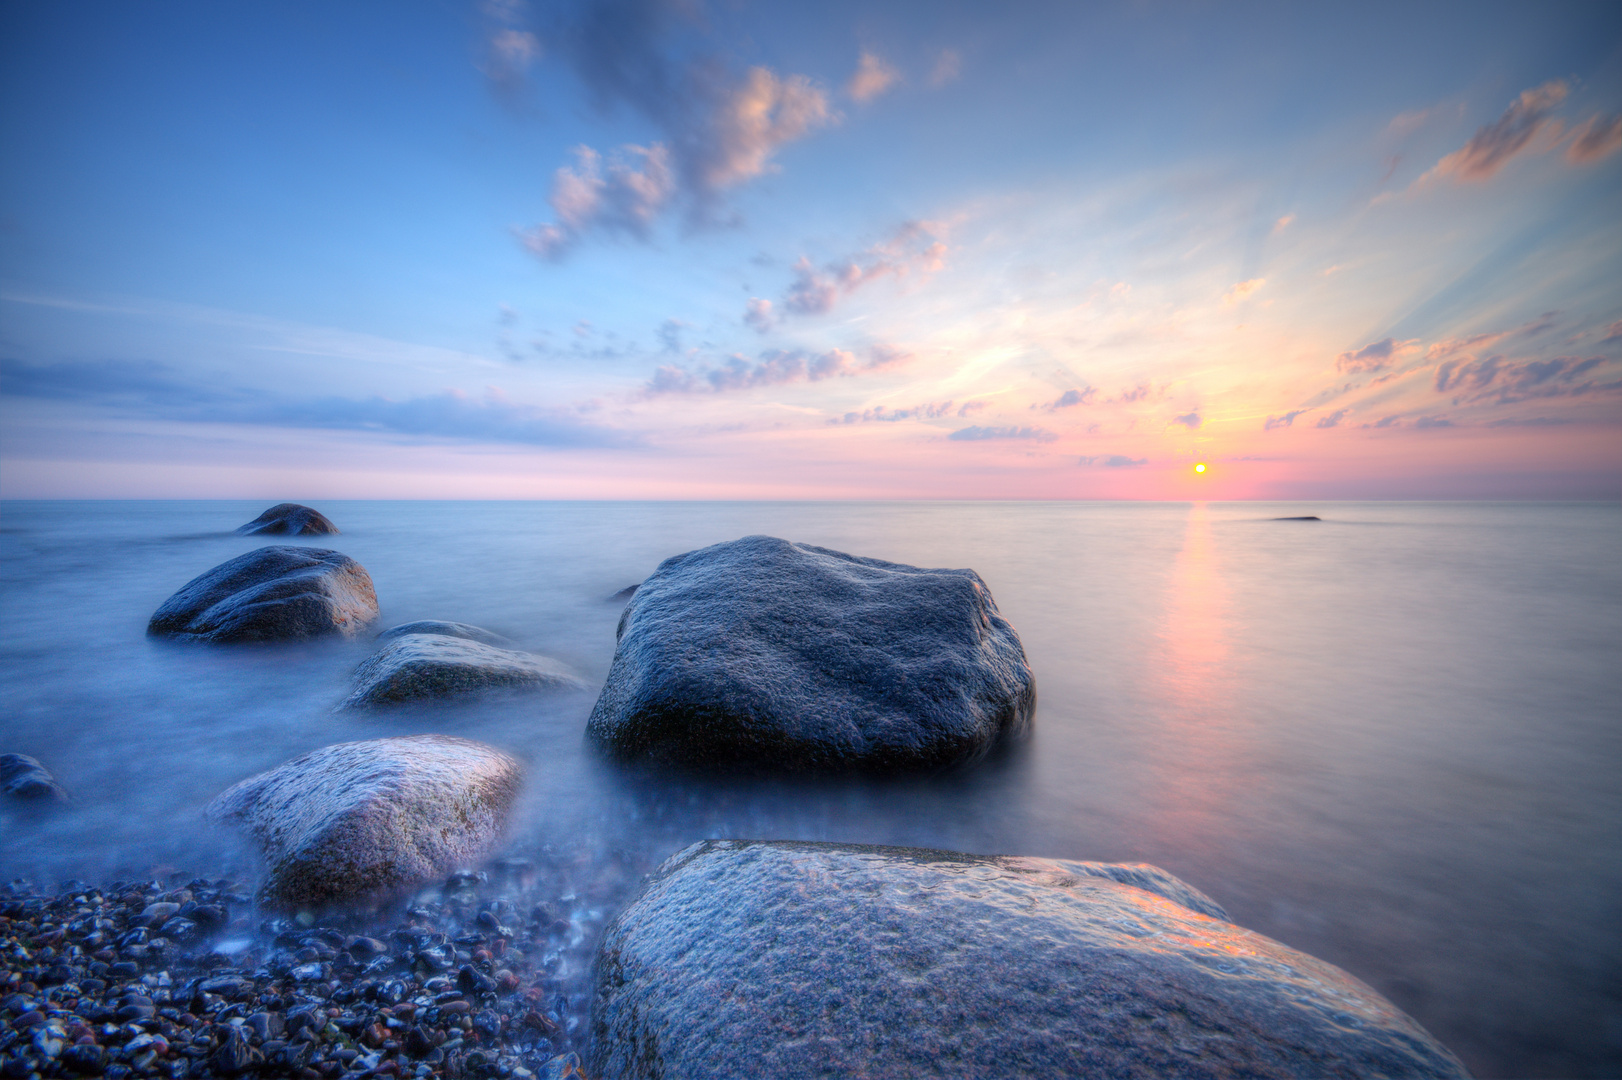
1389	738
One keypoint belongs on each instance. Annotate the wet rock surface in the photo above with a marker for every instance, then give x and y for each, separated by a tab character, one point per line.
794	959
271	594
361	820
414	666
289	519
24	779
447	629
473	979
770	655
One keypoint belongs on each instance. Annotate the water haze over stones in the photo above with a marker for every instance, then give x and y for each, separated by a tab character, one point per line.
446	629
271	594
432	665
798	959
289	519
363	819
767	654
23	778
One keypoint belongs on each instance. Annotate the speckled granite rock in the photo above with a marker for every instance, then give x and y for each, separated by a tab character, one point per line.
359	819
289	519
794	959
271	594
416	666
25	779
766	654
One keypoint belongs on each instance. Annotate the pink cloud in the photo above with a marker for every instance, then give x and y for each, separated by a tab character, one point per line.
1494	144
915	246
1598	137
873	77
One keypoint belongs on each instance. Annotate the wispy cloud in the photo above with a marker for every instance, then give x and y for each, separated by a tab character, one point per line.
718	128
1494	144
1069	399
1332	420
873	77
914	247
510	47
1612	333
1274	422
152	390
758	314
772	368
879	414
977	433
1503	382
1191	420
1242	291
1375	356
1114	461
1598	137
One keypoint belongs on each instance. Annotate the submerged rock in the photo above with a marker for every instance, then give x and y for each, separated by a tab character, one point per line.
1303	517
446	629
23	777
428	665
765	653
289	519
796	959
271	594
356	820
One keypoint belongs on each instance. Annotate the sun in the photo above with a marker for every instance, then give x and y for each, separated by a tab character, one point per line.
1200	468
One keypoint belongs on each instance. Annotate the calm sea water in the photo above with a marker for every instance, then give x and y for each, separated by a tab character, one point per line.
1389	738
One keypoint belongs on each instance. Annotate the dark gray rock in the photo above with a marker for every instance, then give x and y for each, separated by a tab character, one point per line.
794	959
364	819
624	594
1303	517
271	594
23	777
417	666
446	629
767	654
289	519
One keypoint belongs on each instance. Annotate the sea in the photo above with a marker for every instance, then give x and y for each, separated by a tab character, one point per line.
1390	737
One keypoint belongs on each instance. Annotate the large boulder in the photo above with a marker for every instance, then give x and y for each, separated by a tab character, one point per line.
795	959
271	594
289	519
768	654
364	819
430	665
24	778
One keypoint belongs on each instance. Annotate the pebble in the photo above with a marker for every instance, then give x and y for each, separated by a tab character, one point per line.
184	979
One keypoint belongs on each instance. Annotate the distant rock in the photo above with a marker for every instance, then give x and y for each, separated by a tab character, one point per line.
766	654
363	819
271	594
1304	517
774	960
624	594
446	629
415	666
24	778
289	519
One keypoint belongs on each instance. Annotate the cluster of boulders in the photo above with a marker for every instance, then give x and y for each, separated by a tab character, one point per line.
737	958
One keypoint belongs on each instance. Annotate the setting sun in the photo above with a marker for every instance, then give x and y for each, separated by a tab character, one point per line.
1200	467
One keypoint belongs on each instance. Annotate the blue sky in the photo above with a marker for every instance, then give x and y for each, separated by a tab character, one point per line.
761	250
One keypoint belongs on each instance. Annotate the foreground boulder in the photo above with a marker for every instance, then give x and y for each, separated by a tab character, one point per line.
24	778
289	519
430	665
794	959
363	819
272	594
769	654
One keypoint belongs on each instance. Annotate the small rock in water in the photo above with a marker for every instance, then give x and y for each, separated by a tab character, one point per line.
1303	517
271	594
416	666
24	778
289	519
625	593
447	629
361	819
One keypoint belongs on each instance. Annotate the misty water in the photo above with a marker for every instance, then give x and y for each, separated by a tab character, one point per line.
1389	738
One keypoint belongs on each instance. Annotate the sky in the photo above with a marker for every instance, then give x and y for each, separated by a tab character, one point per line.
678	249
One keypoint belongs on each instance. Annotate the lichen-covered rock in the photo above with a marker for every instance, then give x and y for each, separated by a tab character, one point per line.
767	654
23	777
289	519
356	820
415	666
446	629
271	594
795	959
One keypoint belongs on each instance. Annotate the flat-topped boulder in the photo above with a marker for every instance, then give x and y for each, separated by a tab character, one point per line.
446	629
773	960
271	594
361	820
289	519
431	665
25	779
765	654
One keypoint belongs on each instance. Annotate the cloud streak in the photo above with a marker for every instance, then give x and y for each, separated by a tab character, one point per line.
1500	381
981	434
873	77
775	367
1598	137
913	248
1495	144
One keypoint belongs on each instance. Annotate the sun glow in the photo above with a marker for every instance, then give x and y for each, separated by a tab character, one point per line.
1200	468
